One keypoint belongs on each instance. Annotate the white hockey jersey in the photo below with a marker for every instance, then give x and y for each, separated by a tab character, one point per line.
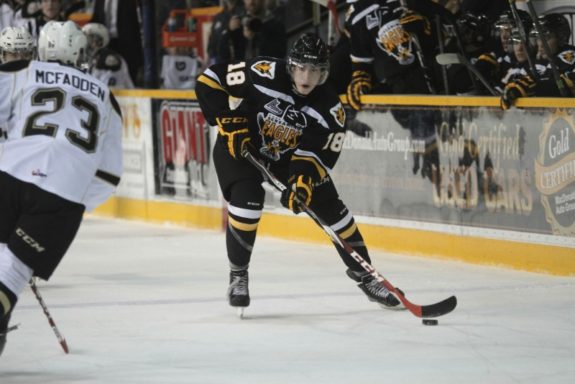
179	72
64	131
111	69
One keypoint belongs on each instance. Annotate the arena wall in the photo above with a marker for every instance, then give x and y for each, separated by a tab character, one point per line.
447	177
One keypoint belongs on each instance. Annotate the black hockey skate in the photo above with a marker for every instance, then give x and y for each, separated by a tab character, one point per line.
373	289
238	292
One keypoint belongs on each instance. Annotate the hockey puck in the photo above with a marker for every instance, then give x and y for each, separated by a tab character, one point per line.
429	322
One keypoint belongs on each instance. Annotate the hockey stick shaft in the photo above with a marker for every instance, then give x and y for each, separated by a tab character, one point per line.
550	56
433	310
59	336
455	58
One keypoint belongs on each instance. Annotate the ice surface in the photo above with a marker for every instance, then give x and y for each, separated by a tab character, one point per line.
141	303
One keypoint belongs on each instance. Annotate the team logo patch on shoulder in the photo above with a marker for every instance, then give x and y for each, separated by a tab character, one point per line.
338	113
265	69
568	56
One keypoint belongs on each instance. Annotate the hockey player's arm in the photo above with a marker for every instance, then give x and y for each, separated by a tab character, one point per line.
361	58
107	176
216	84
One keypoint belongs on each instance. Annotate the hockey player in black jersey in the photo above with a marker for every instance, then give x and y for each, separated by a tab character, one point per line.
557	32
293	122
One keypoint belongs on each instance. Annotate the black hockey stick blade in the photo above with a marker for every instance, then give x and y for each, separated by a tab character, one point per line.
433	310
439	309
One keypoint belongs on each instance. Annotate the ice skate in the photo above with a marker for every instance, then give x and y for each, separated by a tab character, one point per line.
238	293
373	289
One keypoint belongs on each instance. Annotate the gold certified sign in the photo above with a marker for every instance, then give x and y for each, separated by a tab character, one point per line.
555	172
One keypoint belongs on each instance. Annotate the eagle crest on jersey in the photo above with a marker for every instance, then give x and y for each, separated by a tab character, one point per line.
338	113
396	42
265	69
280	128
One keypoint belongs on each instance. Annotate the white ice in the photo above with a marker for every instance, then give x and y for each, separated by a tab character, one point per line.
140	303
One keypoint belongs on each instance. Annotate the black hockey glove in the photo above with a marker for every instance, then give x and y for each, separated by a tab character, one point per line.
488	66
360	84
299	190
233	133
523	86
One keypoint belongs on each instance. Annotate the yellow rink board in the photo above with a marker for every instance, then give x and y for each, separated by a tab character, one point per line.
523	256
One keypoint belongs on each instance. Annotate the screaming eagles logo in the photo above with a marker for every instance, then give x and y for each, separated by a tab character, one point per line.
265	69
396	42
338	113
555	172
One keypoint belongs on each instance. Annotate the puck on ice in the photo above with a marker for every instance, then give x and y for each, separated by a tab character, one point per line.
429	322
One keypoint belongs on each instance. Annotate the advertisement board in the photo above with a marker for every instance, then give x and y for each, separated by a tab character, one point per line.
471	166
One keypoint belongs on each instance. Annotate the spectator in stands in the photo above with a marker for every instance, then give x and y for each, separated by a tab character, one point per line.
180	66
104	63
121	19
226	39
50	10
264	33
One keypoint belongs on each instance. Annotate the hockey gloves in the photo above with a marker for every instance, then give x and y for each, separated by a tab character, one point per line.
360	84
298	191
233	133
523	86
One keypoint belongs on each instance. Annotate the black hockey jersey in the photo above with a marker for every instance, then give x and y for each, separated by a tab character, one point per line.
305	132
379	40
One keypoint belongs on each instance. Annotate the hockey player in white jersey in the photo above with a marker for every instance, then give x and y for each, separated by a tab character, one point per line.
105	64
16	43
62	156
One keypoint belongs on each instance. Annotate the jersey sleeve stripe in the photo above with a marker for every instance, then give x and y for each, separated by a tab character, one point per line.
210	83
108	177
315	114
364	13
356	59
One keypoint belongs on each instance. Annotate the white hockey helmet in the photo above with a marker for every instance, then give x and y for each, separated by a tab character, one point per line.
62	41
99	31
18	41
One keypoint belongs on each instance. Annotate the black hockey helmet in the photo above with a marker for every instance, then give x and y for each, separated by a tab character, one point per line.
474	28
555	24
309	49
506	20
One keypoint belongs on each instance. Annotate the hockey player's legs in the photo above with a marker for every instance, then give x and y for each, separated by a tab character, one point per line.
327	205
45	229
241	187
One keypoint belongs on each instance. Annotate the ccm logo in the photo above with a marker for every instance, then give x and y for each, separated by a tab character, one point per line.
227	120
29	240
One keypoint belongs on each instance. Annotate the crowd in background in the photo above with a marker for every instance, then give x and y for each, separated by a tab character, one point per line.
491	53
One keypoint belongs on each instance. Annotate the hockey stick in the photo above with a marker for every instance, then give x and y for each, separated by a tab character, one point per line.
59	336
426	311
456	58
547	49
